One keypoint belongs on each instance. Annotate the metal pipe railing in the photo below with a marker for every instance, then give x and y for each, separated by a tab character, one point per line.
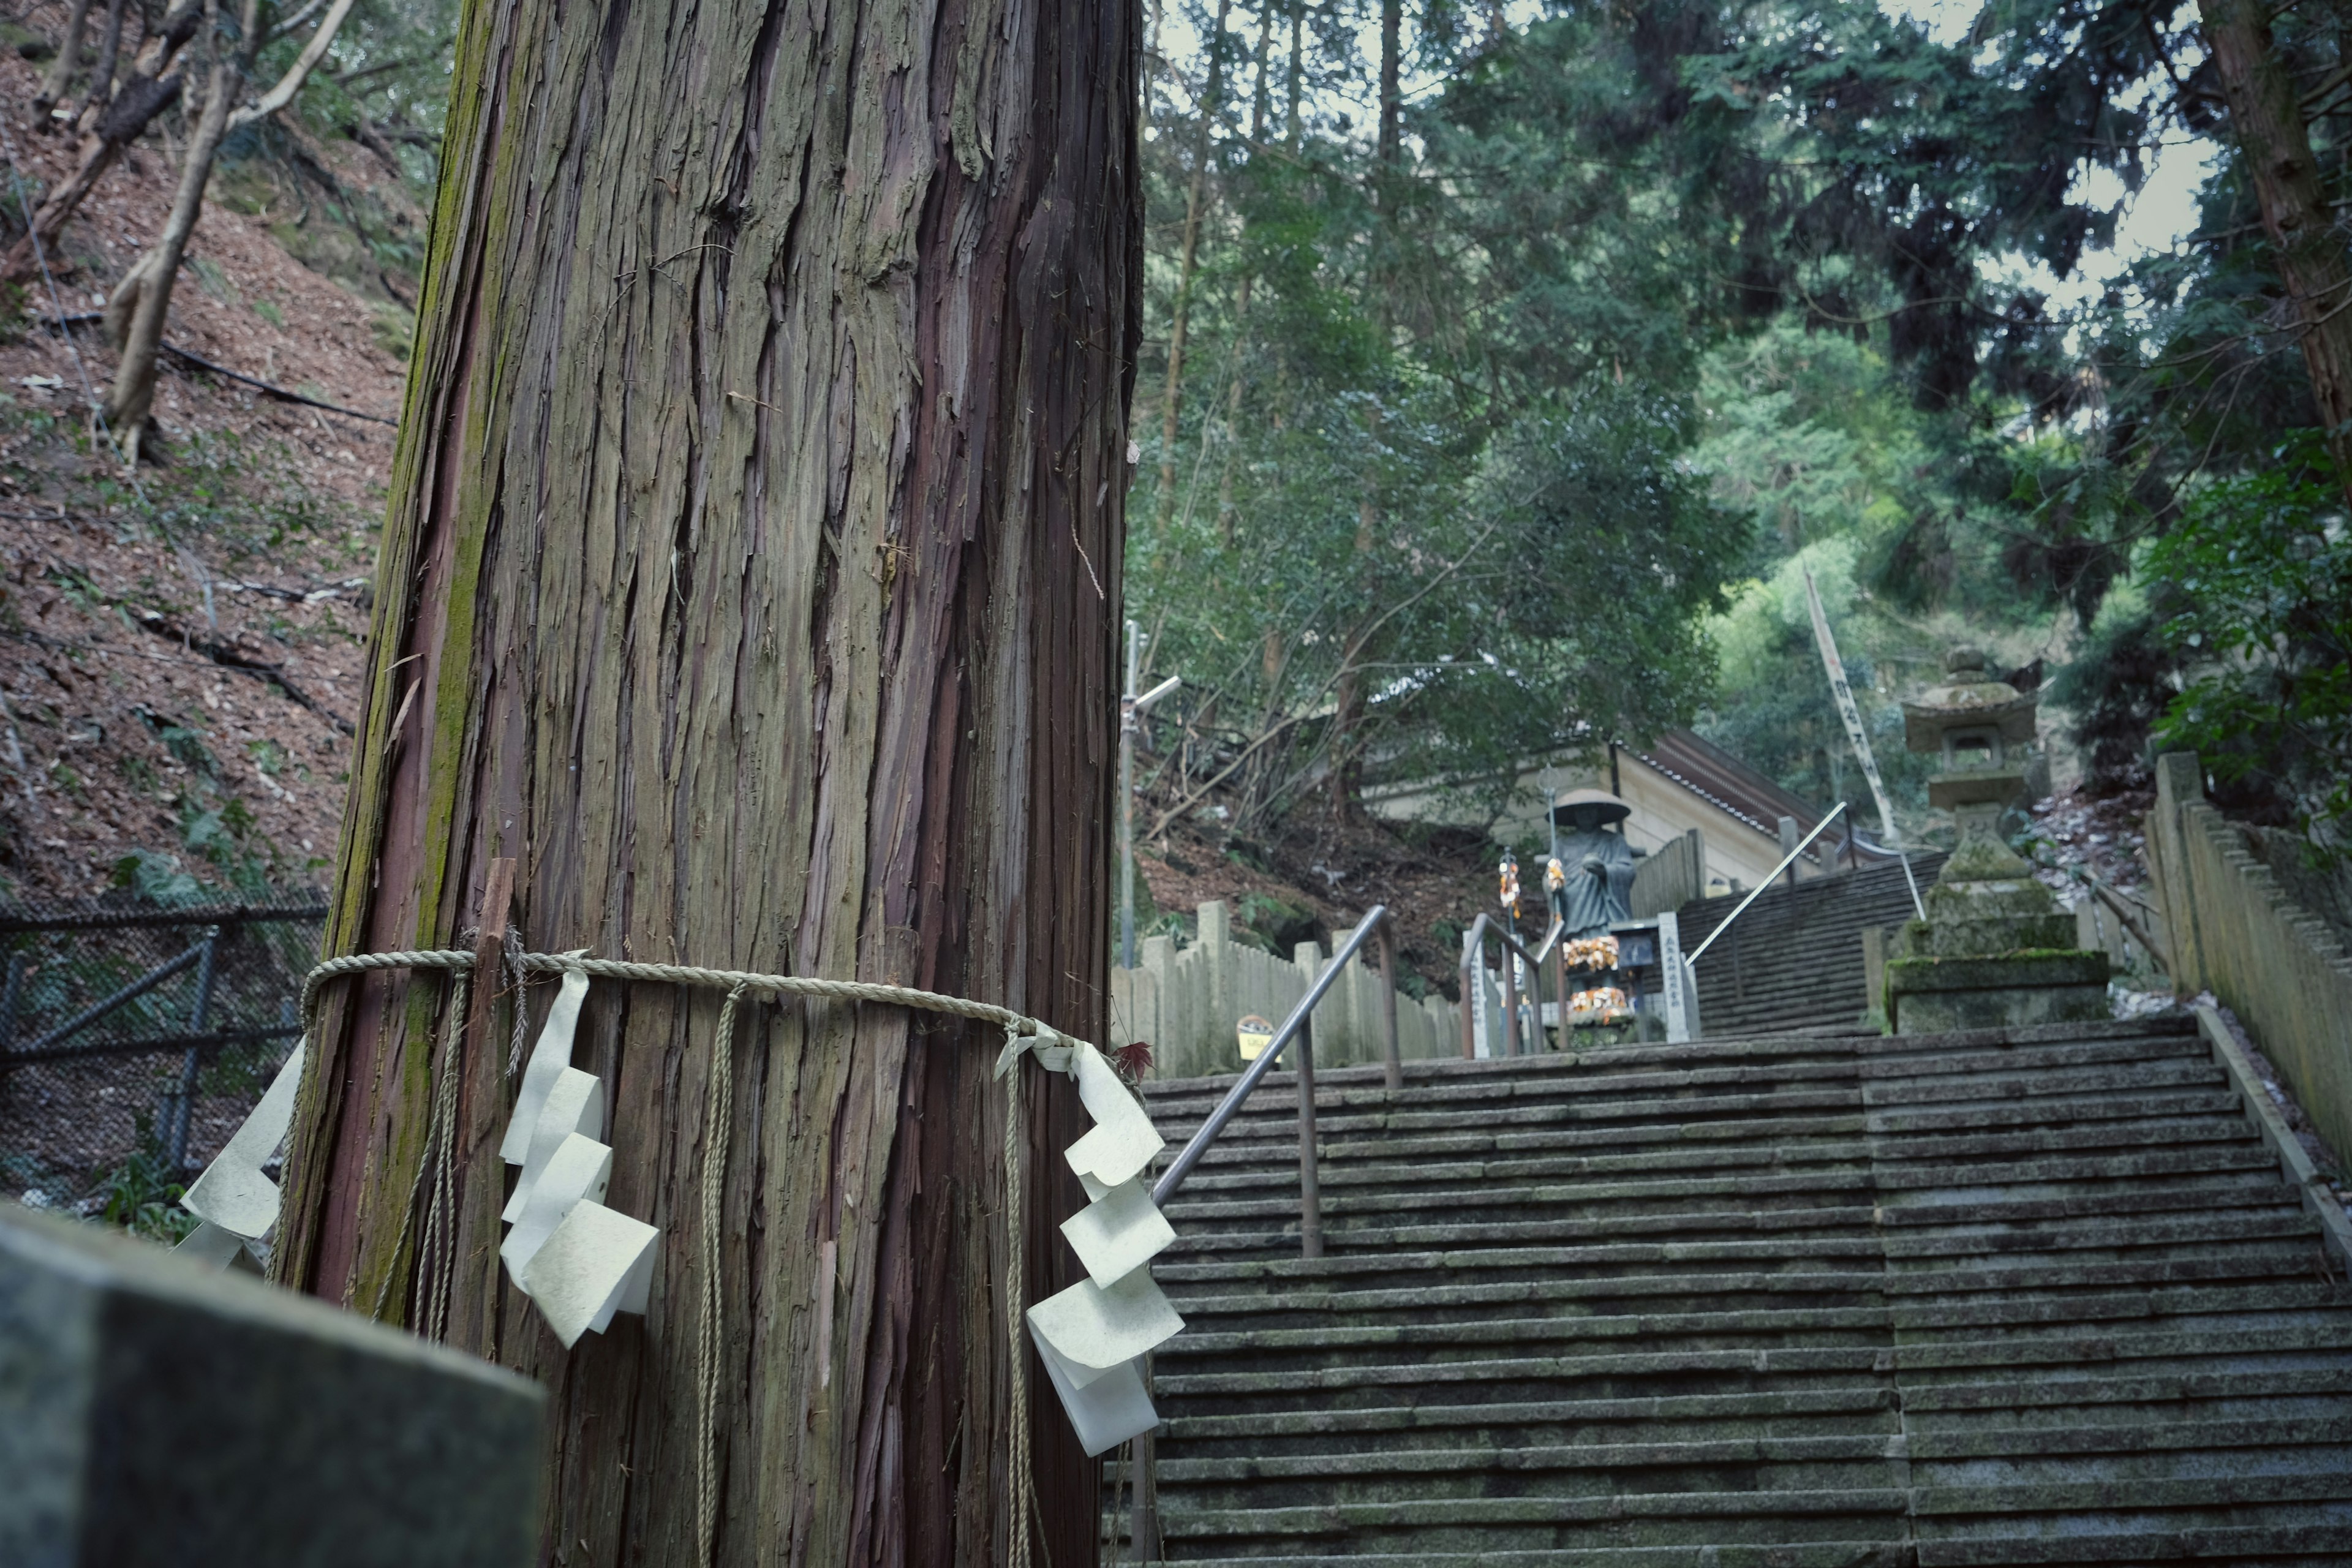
1474	947
1753	894
130	993
1298	1026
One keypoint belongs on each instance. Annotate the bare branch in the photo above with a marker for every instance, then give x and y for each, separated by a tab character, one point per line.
279	96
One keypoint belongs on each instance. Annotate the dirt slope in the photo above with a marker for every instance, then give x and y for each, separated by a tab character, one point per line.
179	648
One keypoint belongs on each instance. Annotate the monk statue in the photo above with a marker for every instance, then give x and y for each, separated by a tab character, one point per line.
1595	887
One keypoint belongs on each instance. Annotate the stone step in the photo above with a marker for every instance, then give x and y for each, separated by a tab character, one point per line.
1314	1308
2296	1258
2265	1454
2145	1068
1854	1231
2240	1546
2073	1360
1779	1518
2293	1401
1876	1067
1564	1079
1796	1196
1294	1348
2021	1243
2005	1161
1550	1232
2236	1546
1810	1555
1410	1317
1393	1190
2015	1082
1785	1134
2020	1296
2293	1258
1945	1133
1673	1416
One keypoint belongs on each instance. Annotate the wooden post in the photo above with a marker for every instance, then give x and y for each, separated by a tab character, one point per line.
1143	1535
1395	1056
1310	1196
1510	1001
1560	986
1474	997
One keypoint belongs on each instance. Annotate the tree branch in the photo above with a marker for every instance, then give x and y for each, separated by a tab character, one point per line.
279	96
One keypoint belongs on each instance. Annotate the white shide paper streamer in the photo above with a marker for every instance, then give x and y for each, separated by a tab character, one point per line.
238	1205
1093	1336
579	1261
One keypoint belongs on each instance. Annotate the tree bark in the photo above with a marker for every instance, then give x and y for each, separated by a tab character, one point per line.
109	56
2312	260
55	80
751	576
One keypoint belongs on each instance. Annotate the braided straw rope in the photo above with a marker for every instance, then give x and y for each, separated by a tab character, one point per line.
717	1130
719	1112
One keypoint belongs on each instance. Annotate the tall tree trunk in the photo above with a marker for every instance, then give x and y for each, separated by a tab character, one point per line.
110	55
148	285
1298	72
1241	294
750	577
1172	398
2269	124
1392	72
59	75
1348	695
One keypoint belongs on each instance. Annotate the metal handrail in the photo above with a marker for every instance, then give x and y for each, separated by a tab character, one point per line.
1296	1025
1474	947
2118	904
1753	894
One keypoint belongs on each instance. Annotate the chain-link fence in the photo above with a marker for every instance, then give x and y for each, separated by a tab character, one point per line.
134	1041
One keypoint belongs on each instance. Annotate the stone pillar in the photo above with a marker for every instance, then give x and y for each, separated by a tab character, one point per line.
155	1412
1995	949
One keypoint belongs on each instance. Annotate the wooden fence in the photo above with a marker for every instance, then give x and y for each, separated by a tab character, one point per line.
1670	876
1187	1003
2232	929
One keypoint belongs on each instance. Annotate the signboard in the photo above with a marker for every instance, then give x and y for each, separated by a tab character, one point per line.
1676	976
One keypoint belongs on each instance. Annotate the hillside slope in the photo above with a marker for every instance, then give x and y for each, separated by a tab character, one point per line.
180	648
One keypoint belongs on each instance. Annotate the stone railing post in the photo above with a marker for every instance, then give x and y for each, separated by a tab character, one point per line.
2179	783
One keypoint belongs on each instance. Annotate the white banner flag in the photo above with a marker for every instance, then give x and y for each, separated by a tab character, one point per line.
1854	730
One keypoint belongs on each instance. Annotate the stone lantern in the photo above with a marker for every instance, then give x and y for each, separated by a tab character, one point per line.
1995	949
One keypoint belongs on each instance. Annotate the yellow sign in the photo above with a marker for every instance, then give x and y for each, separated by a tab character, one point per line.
1255	1033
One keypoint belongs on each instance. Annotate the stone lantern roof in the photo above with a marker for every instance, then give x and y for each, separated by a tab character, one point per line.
1969	705
1970	721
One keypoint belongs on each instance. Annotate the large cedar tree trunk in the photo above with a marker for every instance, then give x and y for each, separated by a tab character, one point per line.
2269	124
751	576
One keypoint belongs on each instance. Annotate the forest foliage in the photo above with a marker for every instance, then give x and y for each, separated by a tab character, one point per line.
1508	367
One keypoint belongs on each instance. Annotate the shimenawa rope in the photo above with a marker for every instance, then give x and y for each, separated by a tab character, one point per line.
717	1126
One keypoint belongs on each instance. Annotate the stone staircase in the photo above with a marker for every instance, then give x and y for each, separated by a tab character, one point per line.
2029	1296
1794	959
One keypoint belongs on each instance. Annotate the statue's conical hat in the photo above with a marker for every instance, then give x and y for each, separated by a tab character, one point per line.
1611	808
